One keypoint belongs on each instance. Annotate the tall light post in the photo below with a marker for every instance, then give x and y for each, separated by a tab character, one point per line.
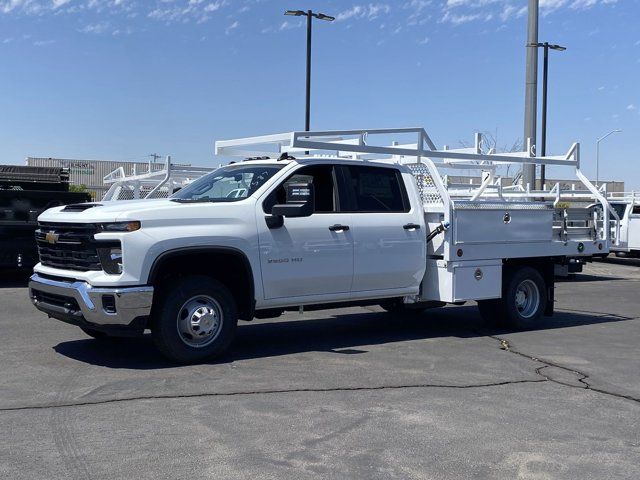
310	15
545	71
531	90
598	154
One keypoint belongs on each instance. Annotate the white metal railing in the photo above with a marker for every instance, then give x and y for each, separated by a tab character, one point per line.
425	160
628	197
151	183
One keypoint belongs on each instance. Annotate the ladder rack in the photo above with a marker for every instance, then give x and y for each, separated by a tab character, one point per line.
424	159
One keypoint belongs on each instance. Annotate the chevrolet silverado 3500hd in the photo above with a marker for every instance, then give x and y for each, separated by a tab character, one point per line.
322	218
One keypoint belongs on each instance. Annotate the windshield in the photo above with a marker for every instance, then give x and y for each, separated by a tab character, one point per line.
227	184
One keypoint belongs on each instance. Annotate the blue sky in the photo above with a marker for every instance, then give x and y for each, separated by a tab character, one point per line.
120	79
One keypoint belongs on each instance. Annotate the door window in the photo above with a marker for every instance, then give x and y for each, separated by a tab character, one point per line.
376	189
325	193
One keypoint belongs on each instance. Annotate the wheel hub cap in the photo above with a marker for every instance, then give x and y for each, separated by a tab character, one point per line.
527	298
199	321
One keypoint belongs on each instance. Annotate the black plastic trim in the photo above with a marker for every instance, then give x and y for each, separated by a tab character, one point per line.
223	250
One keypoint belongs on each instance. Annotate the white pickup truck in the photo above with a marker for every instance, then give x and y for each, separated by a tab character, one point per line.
324	219
627	206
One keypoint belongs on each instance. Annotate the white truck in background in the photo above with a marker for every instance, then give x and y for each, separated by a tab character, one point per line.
627	207
321	219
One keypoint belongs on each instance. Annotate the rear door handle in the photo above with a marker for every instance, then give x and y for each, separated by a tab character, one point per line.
337	228
411	226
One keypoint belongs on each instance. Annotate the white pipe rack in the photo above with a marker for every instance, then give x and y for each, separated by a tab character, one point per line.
425	160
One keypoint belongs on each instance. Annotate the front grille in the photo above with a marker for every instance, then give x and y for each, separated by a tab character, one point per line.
69	246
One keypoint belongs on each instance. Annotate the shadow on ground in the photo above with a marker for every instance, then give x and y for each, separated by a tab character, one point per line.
583	277
345	334
629	261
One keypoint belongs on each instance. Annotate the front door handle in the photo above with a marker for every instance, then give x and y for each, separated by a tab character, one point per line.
411	226
338	228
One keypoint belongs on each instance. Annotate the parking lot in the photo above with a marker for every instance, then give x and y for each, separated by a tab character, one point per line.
350	393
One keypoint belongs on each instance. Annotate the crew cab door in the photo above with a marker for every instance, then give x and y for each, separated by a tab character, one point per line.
388	232
307	256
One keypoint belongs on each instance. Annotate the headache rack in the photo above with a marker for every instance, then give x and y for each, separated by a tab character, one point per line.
414	148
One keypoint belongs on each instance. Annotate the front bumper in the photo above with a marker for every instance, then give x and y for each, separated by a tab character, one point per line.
102	308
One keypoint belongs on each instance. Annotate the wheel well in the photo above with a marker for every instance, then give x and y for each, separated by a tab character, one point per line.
229	266
545	266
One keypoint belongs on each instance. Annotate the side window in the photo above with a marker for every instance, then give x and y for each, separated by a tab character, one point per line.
636	210
376	189
322	178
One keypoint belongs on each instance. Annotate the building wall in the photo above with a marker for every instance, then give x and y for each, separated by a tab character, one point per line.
91	172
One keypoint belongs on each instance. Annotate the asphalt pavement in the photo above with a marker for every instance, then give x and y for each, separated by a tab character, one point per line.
348	393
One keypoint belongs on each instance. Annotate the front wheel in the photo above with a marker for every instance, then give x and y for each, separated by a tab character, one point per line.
196	320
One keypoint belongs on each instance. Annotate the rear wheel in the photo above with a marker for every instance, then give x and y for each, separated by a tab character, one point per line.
523	302
524	298
196	320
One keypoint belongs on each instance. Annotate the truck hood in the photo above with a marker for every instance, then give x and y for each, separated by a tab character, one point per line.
125	210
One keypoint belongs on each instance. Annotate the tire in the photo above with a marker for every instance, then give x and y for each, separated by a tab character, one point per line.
196	320
524	298
490	312
97	334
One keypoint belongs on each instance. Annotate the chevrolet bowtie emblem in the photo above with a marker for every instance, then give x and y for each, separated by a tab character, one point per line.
51	237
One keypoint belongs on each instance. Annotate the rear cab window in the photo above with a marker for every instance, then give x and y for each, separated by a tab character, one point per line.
375	190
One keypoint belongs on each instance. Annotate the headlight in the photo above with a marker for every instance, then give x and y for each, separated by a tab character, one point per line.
111	259
118	227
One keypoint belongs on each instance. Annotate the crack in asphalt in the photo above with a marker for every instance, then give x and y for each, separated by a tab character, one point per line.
582	377
505	345
265	392
602	314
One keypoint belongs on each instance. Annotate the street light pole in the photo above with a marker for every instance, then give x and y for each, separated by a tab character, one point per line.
531	90
307	114
545	72
310	15
598	154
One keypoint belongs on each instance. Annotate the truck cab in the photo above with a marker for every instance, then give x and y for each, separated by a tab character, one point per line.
357	233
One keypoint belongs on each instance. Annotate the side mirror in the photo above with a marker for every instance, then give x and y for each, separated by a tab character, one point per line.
300	203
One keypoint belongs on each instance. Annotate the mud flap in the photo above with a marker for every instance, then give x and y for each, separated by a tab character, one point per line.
551	291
